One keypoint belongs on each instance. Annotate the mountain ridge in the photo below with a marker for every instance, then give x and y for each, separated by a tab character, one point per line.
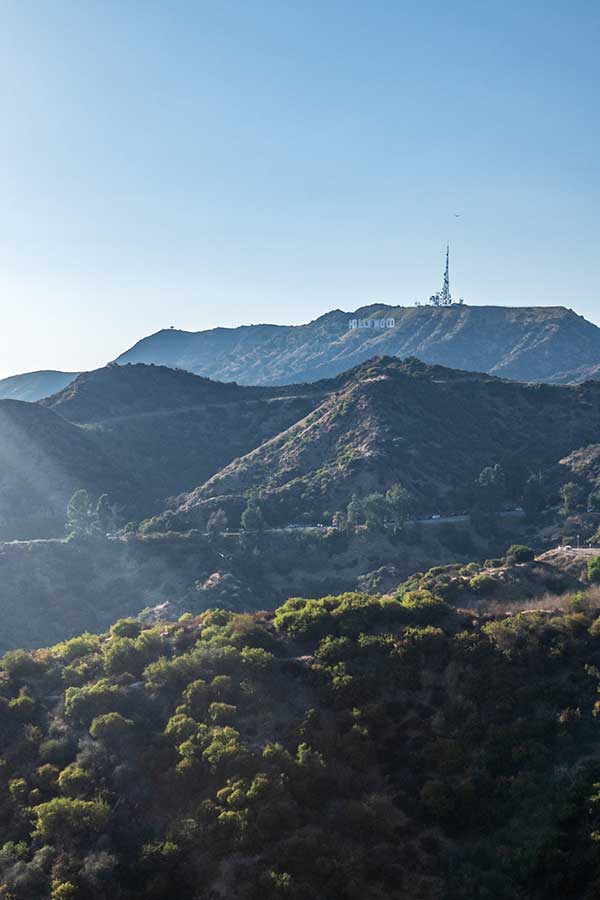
390	421
521	343
530	343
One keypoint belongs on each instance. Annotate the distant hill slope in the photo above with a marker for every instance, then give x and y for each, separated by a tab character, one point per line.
146	434
139	433
117	392
43	460
431	428
550	344
171	429
32	386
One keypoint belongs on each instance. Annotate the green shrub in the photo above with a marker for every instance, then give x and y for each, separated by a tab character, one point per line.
519	553
594	570
75	781
126	628
63	819
424	607
483	584
111	727
91	700
64	890
19	664
222	713
18	790
578	602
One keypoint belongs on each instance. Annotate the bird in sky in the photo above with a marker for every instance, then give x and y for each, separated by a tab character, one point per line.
457	215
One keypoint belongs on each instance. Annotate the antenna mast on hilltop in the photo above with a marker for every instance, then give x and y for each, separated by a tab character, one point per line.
444	297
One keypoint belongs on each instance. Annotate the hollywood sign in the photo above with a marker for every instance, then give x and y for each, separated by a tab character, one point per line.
371	323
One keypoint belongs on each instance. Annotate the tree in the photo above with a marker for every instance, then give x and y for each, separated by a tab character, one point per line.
519	553
252	517
533	494
375	508
81	518
111	728
63	890
217	523
571	495
74	781
594	570
355	512
400	504
64	820
84	518
126	628
340	521
105	515
490	494
491	488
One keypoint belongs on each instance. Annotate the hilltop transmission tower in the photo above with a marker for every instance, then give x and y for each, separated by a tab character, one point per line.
444	297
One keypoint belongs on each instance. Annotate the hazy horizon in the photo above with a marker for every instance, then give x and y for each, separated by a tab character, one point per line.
246	324
202	165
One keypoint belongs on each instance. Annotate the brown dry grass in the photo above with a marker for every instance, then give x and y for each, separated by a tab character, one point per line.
590	599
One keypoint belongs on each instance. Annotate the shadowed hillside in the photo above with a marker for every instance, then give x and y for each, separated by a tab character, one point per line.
172	429
43	460
139	433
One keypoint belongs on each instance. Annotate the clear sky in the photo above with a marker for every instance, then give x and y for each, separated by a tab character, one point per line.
165	162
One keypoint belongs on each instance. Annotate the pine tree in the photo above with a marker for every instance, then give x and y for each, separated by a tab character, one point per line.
105	515
400	504
340	521
252	517
80	514
355	512
217	524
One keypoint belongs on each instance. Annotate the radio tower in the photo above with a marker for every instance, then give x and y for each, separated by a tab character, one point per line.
444	297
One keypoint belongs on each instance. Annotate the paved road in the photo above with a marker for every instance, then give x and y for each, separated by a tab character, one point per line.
580	551
511	513
508	514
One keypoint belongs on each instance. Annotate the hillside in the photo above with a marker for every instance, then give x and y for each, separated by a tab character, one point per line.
348	748
146	434
53	589
584	463
551	344
139	433
172	429
117	392
32	386
429	428
43	460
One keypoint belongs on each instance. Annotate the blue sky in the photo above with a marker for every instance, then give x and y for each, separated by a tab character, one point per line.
217	163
